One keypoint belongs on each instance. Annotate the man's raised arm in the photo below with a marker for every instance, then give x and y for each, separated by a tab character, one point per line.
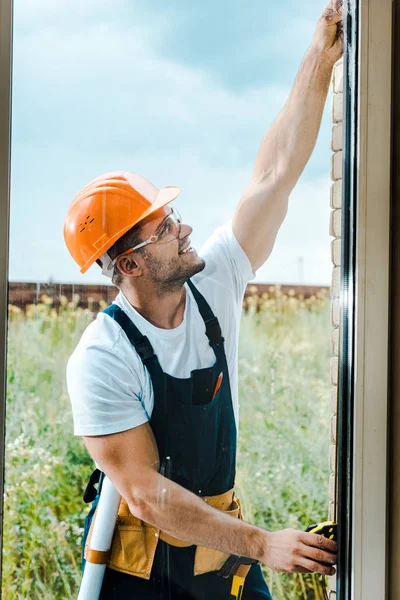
288	144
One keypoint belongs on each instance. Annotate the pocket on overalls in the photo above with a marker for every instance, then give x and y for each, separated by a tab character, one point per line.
133	547
206	559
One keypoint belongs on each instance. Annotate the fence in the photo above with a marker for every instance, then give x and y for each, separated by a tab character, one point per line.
23	293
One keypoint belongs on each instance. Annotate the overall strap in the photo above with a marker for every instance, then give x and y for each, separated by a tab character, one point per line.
140	342
213	329
145	351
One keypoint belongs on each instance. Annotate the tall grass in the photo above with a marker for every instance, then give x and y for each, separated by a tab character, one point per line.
282	453
284	386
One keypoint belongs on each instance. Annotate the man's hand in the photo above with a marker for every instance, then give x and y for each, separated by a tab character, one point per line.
293	551
328	37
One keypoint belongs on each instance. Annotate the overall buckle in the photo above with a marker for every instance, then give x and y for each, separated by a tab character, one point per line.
144	348
213	331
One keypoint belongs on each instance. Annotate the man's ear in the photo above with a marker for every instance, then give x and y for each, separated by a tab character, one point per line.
129	267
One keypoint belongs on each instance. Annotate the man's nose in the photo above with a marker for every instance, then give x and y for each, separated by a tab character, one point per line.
185	231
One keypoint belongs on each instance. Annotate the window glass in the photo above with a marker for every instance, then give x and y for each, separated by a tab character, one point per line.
181	95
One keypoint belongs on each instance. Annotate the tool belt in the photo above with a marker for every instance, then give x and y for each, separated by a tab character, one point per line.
135	542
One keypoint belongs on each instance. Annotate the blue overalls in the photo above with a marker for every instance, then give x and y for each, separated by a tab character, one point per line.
196	439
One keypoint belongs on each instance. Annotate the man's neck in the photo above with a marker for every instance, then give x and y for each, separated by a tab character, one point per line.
164	310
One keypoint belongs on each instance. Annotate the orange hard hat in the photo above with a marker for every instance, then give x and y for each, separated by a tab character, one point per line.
107	208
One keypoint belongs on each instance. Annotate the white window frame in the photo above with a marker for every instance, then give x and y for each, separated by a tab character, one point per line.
370	466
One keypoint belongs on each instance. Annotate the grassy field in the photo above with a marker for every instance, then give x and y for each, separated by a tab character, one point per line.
282	454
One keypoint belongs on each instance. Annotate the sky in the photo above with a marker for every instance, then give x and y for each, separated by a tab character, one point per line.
179	92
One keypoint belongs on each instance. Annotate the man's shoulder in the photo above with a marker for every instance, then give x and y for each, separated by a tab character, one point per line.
104	381
101	337
102	330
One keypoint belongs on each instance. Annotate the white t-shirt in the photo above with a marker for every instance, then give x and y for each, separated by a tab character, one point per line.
111	390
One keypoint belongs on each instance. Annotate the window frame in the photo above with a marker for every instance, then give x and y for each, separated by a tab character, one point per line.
370	312
368	299
6	10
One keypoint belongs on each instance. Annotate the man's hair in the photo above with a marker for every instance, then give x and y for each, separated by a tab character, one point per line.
130	239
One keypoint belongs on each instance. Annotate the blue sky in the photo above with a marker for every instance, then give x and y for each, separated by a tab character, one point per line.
180	92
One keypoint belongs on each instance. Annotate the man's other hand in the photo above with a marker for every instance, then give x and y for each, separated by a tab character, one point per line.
328	36
293	551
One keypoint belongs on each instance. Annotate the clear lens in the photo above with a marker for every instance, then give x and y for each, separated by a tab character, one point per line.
171	228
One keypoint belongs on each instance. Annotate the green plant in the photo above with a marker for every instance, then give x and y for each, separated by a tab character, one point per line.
282	449
284	427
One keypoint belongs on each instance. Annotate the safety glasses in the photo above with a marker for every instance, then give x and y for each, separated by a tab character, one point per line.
168	230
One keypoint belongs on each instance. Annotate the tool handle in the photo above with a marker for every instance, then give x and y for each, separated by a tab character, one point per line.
102	534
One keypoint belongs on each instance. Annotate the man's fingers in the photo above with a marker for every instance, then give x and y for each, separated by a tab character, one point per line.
331	16
337	5
315	567
321	556
319	541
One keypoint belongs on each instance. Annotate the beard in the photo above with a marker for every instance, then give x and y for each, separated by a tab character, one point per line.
171	275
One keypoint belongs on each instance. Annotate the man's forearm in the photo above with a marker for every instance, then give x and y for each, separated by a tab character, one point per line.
288	144
184	515
131	461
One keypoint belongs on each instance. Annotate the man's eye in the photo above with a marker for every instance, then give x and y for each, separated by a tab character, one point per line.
166	227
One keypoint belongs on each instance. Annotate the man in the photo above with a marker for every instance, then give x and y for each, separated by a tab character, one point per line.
153	381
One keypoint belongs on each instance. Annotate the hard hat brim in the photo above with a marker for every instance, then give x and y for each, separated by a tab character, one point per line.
165	196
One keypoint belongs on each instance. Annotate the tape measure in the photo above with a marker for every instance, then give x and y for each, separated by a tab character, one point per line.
327	529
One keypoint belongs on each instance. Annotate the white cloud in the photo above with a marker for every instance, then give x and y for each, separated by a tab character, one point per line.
102	87
37	15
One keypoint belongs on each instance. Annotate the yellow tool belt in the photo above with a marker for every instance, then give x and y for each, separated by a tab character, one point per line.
134	542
